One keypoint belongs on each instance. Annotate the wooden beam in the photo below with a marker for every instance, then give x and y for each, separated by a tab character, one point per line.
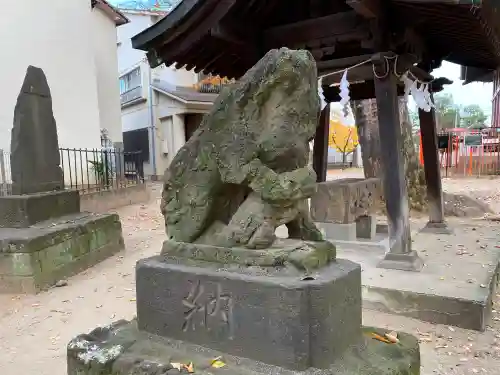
432	170
365	72
400	255
237	41
366	8
320	150
360	73
325	66
366	90
177	45
316	28
224	33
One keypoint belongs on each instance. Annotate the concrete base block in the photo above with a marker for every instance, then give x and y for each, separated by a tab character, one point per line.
437	228
442	292
342	232
264	314
33	259
366	227
382	229
402	262
122	349
22	211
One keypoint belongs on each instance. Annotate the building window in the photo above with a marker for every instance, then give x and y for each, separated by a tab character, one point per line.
131	86
130	81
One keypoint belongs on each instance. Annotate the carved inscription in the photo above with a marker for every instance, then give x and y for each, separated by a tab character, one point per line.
205	309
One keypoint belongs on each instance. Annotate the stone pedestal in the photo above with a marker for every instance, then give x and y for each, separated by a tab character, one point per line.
338	232
283	321
366	227
45	238
22	211
343	209
403	262
437	228
35	258
260	320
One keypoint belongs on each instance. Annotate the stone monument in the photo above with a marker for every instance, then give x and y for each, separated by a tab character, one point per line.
224	287
345	209
43	235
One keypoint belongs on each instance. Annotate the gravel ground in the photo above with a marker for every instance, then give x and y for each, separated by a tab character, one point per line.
34	330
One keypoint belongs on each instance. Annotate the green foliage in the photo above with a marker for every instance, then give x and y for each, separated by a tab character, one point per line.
450	115
473	117
102	170
447	112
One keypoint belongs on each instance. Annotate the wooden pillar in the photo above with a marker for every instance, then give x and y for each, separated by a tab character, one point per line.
320	150
432	170
400	255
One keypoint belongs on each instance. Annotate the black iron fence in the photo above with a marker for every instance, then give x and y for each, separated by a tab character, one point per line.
88	170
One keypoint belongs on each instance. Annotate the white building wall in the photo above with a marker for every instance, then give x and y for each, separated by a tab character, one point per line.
167	114
56	37
106	63
129	58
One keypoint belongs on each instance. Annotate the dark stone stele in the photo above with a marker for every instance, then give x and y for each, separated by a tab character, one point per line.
37	179
223	283
35	158
43	235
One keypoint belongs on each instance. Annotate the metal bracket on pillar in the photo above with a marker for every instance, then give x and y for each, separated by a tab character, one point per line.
400	255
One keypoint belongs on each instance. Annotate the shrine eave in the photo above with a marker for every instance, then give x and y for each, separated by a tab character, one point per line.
227	37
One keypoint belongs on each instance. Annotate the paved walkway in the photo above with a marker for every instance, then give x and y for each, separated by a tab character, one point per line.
34	330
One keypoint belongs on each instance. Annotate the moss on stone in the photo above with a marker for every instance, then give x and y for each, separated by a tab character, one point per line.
45	255
303	255
121	349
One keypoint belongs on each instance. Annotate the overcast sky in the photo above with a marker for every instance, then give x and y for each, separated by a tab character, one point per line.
473	93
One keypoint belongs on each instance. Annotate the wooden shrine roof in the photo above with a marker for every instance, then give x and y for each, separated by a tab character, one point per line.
226	37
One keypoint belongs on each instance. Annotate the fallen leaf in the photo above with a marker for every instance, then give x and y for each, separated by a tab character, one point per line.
189	368
380	338
451	329
217	363
132	300
392	337
177	366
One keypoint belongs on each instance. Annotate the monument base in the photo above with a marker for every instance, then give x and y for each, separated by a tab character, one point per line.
35	258
22	211
275	315
122	349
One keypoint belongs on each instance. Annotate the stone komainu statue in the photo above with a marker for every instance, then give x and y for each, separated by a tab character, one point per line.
244	172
